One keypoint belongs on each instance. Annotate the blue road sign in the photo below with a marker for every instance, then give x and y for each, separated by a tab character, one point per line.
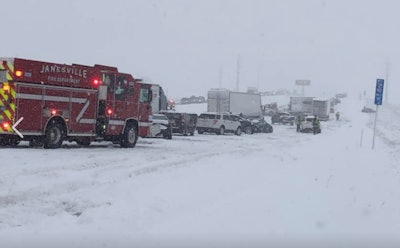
379	91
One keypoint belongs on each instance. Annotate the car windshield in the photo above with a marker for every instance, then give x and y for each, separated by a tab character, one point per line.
207	116
176	116
160	117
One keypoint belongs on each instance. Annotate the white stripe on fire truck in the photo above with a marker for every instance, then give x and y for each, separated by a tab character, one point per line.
116	122
144	124
50	98
83	110
81	134
87	121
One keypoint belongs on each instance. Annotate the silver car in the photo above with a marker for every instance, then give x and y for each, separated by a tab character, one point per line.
160	126
219	123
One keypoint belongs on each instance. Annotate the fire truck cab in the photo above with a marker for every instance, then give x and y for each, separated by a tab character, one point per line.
48	103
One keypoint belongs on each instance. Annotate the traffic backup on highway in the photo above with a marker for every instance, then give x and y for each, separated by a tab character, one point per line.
48	103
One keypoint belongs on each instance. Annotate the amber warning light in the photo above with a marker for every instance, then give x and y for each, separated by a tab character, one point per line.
18	73
6	88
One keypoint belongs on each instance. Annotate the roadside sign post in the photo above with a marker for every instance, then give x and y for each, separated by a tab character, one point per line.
378	101
303	83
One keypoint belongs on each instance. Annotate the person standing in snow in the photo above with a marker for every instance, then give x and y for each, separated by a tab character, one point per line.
298	122
316	125
337	115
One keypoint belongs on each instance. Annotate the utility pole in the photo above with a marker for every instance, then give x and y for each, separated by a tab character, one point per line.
237	73
387	80
220	76
378	101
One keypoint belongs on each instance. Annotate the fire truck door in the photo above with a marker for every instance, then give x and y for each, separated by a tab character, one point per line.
120	96
101	121
144	111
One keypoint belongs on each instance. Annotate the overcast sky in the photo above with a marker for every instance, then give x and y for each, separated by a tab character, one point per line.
186	45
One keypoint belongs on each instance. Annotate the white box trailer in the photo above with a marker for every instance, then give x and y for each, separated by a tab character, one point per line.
248	104
218	100
301	104
223	100
322	108
159	99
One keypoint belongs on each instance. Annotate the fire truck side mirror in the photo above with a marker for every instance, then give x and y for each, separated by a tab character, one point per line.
103	92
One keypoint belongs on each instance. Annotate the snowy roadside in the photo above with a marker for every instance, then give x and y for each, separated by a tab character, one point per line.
285	187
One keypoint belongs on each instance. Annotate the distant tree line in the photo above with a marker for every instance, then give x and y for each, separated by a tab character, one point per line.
193	99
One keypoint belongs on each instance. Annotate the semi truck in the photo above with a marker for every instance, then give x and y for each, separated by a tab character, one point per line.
223	100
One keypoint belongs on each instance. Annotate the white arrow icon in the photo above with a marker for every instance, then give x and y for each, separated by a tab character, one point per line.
15	129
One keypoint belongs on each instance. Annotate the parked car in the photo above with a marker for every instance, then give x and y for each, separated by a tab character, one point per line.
247	125
182	123
261	126
367	110
160	126
283	118
341	95
219	123
270	109
306	125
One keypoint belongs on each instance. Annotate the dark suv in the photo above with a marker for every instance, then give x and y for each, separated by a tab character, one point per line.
283	118
182	123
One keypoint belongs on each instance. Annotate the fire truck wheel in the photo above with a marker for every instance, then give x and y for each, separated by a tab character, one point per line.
54	135
129	137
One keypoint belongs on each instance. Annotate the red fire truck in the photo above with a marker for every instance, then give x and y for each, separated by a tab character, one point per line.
48	103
